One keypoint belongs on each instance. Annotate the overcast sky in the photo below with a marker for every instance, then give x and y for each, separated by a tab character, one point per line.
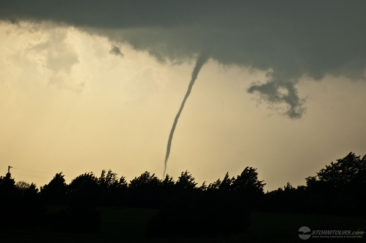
86	87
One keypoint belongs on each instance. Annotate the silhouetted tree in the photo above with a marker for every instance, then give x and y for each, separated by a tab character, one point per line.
20	203
168	183
108	179
185	182
226	184
7	184
334	189
167	191
113	190
345	172
185	209
247	182
247	188
287	199
197	211
337	187
9	199
84	190
145	190
55	191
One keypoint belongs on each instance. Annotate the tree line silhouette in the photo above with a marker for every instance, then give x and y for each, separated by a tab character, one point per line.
184	208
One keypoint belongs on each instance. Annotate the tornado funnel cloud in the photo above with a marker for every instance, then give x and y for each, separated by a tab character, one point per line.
199	63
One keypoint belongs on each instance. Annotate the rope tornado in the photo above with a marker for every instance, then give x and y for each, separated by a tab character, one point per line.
201	60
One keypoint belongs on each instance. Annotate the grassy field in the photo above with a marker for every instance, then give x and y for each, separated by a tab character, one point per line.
129	225
284	226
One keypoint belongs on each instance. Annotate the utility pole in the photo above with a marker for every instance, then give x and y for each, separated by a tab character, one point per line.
9	167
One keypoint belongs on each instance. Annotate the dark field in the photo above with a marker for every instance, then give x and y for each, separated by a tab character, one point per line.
130	225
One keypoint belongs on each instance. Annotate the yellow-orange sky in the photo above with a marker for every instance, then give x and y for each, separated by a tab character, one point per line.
68	104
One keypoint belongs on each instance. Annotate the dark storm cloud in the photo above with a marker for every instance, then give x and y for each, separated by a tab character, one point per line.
116	51
290	38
